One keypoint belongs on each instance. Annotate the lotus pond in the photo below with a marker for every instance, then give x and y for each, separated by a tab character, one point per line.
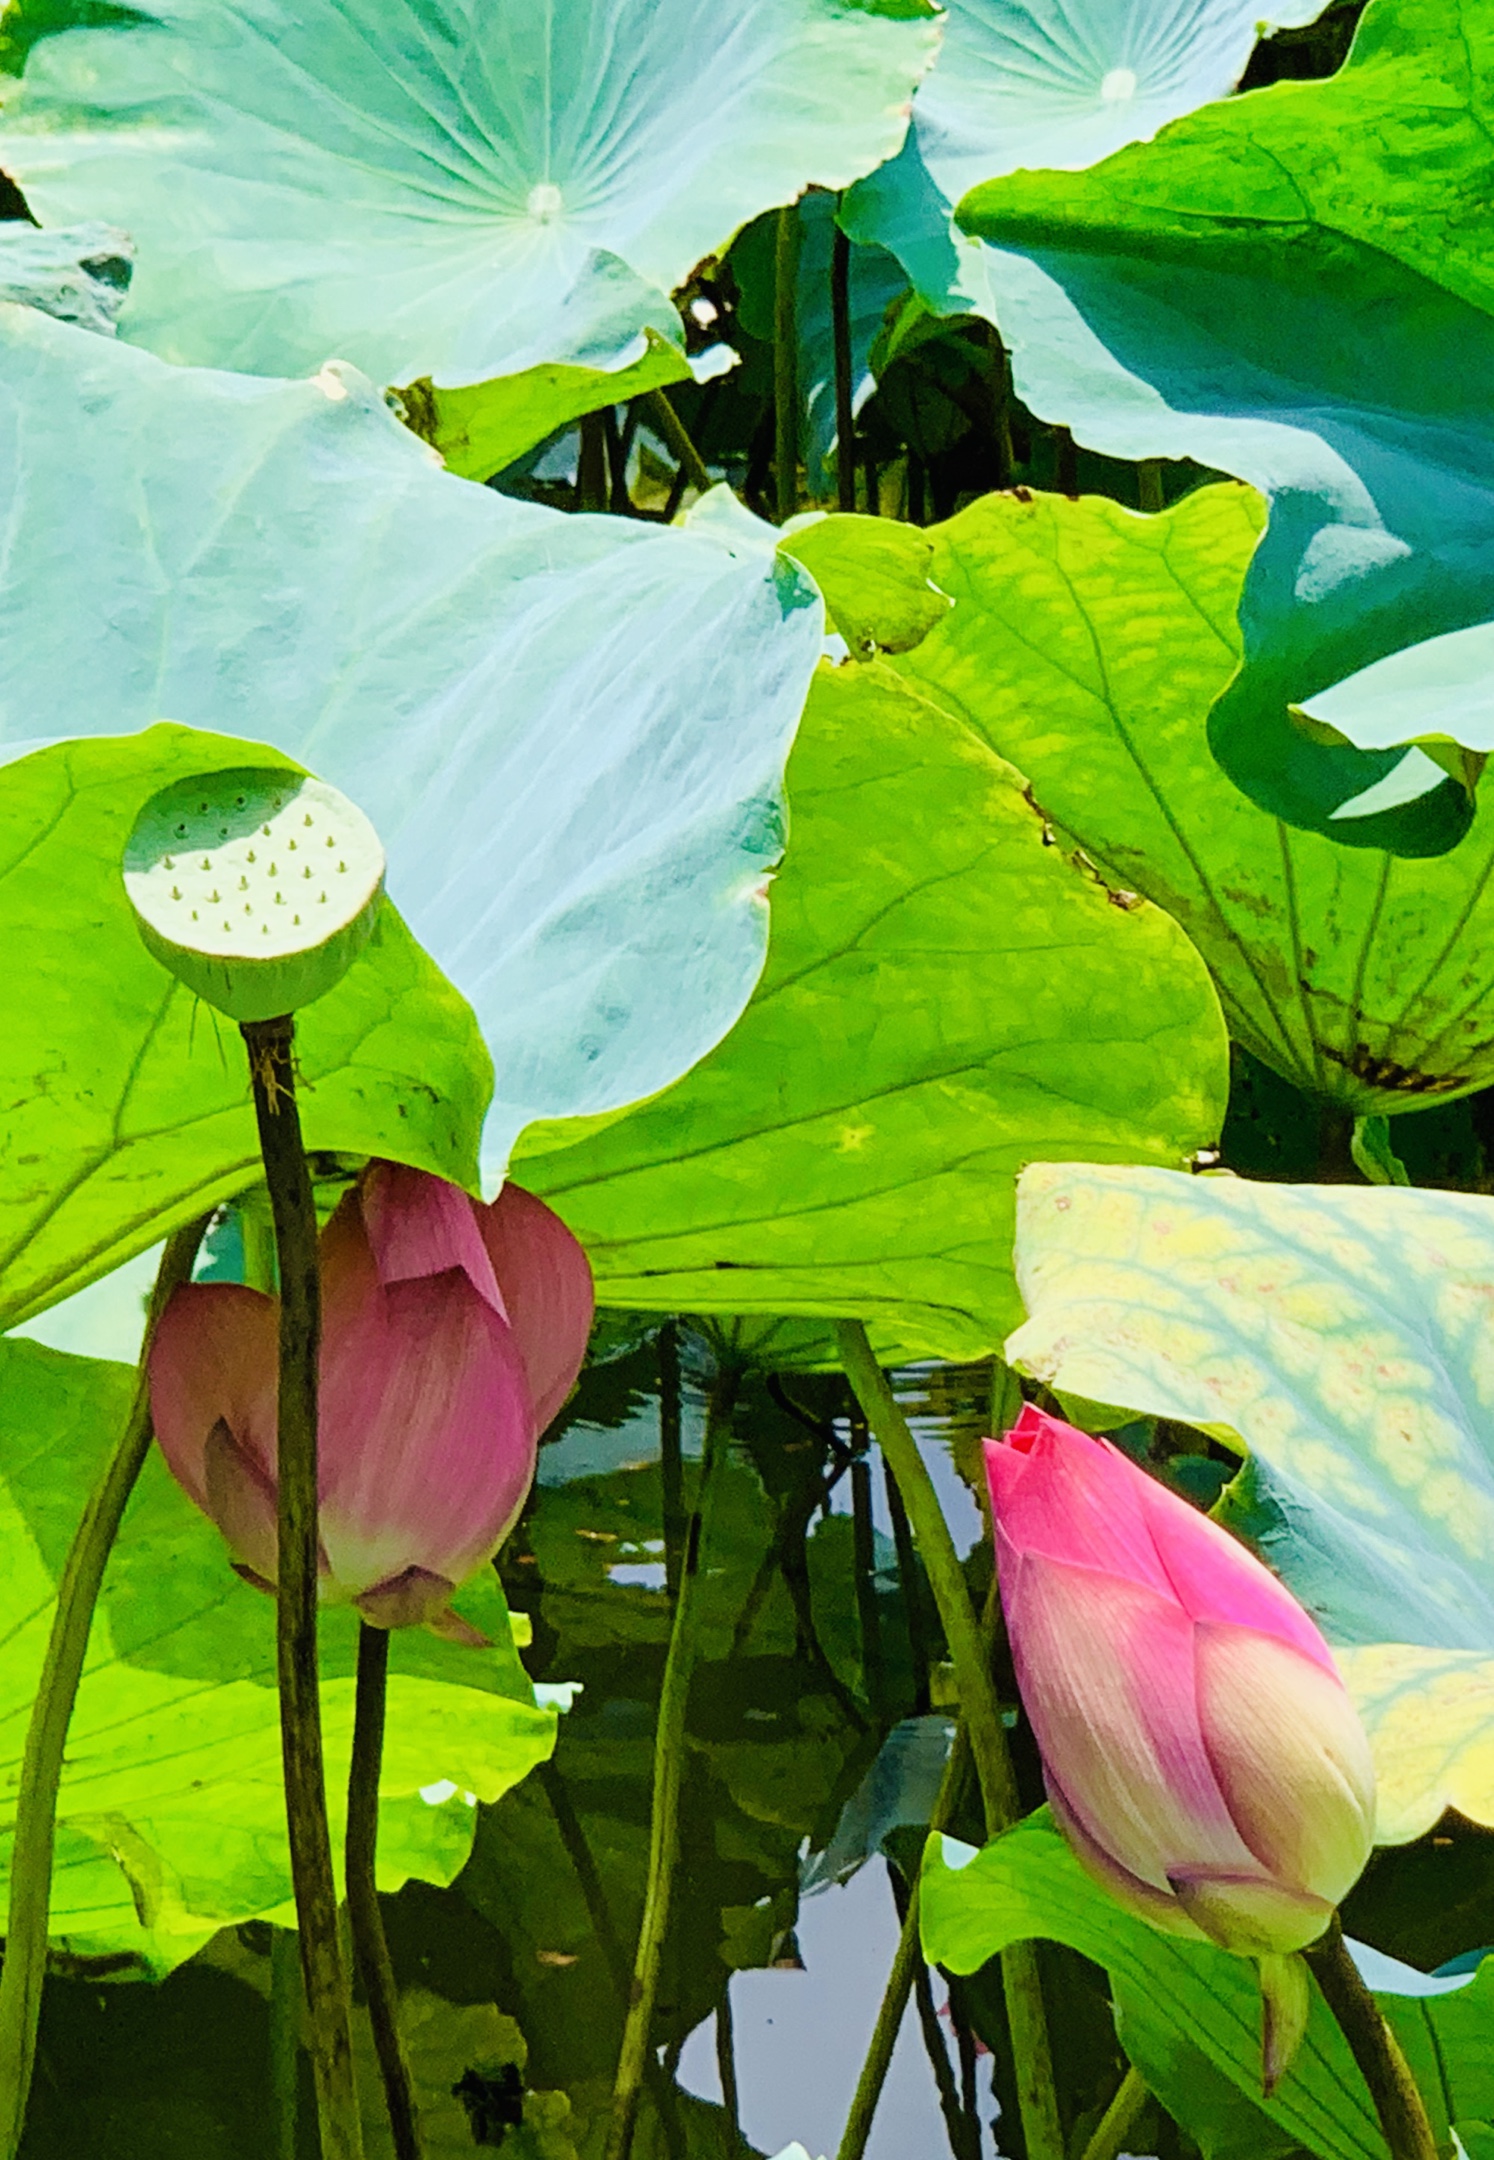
746	1079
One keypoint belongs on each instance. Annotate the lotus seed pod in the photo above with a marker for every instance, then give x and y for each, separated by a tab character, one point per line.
257	889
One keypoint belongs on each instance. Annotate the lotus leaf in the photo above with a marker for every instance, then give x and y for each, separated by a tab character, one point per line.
569	732
1087	644
436	187
1260	291
946	997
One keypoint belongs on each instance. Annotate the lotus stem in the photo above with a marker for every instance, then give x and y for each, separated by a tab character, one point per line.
285	2040
786	364
1402	2112
1119	2119
272	1075
25	1962
677	440
845	417
669	1763
726	2063
671	1460
900	1979
1031	2052
365	1921
1149	486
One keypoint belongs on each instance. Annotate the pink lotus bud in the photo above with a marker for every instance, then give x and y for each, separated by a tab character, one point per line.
451	1334
1200	1750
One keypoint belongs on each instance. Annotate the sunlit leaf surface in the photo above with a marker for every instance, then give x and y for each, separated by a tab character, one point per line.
126	1105
481	429
1343	1335
433	187
946	997
171	1817
568	732
1189	2015
1261	291
1045	84
1087	644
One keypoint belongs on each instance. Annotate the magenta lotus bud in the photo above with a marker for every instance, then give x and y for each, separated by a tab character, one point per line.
1200	1750
451	1335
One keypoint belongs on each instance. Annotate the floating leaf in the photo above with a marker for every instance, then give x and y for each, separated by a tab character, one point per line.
171	1814
946	997
1343	1335
569	732
1260	290
1087	645
425	188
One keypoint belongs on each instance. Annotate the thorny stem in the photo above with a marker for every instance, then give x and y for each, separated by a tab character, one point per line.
786	365
365	1921
1402	2113
669	1764
869	1620
1031	2053
25	1961
294	1210
592	483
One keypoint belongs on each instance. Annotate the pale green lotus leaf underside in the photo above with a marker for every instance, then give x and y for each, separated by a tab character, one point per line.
1045	85
569	733
80	274
1259	290
435	187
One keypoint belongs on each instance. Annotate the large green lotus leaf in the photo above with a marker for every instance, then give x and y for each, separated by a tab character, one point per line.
1044	84
1260	290
1087	645
946	997
80	275
438	187
171	1815
1344	1336
125	1102
480	429
1189	2015
569	731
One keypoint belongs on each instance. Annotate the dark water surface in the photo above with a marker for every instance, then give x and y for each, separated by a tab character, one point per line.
784	1915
